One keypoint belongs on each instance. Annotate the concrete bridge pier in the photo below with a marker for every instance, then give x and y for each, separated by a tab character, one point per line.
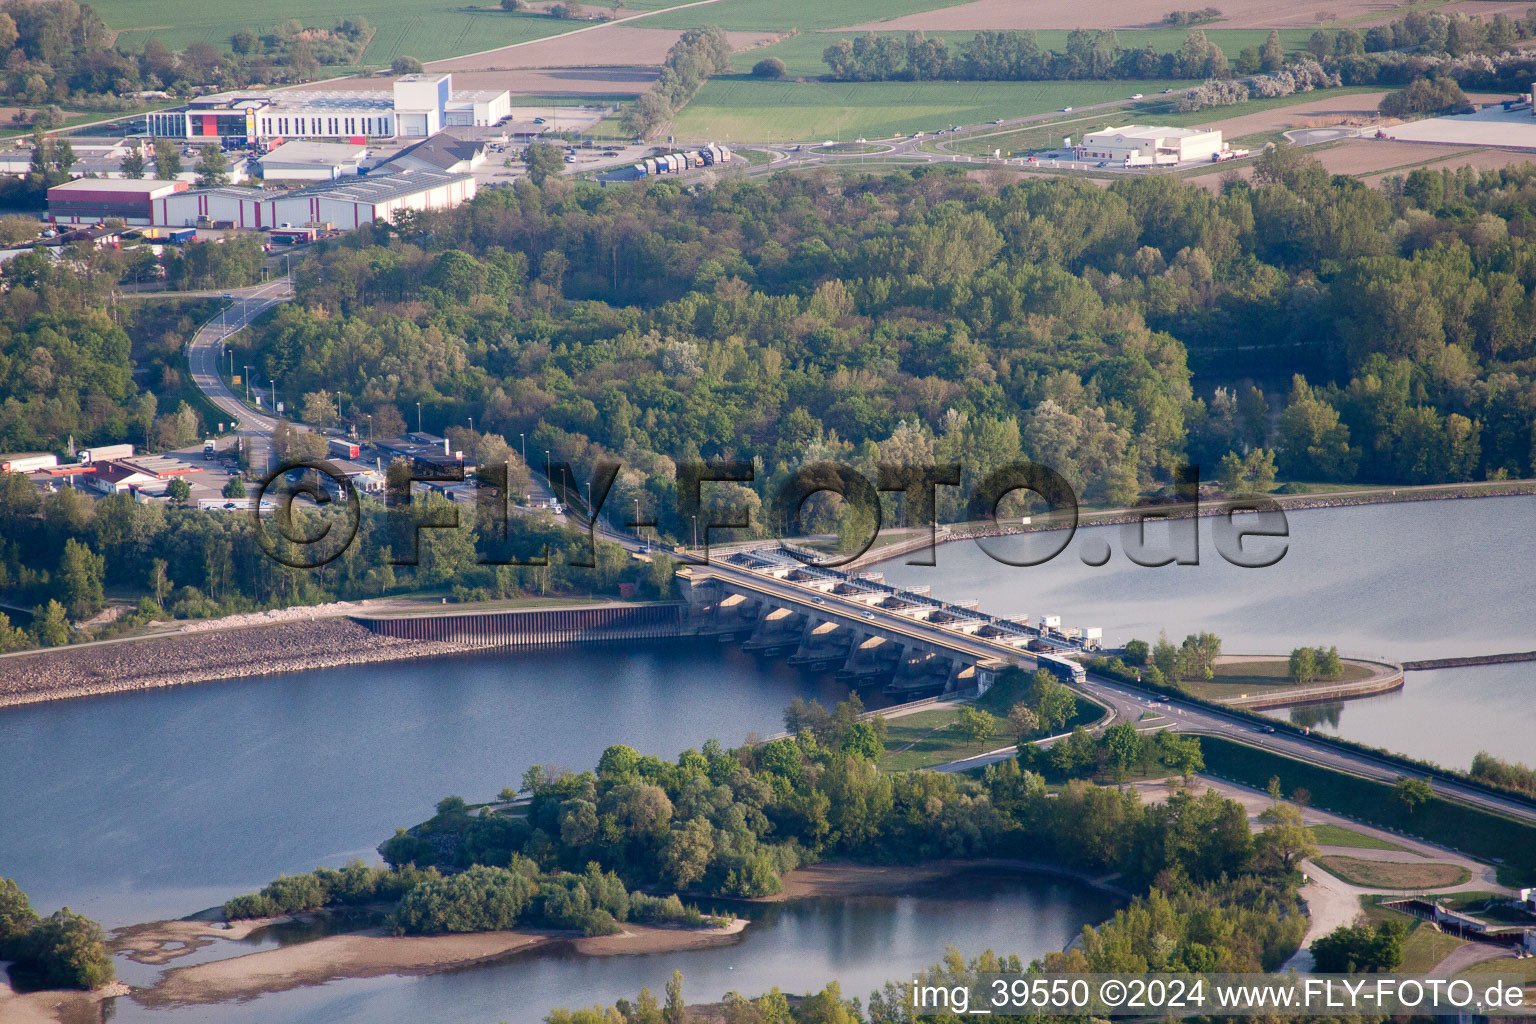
778	628
822	643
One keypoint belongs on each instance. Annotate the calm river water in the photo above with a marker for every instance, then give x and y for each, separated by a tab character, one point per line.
135	807
1431	579
860	942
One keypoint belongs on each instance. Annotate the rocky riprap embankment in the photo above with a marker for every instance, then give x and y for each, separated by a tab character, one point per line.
200	657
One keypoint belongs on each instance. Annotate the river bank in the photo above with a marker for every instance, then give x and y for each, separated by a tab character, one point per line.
368	953
204	656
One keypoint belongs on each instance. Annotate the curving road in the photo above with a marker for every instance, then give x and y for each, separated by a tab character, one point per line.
203	361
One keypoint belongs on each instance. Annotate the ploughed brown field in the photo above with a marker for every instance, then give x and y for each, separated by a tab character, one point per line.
1045	14
614	44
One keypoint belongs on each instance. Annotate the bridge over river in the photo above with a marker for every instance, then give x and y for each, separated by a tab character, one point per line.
771	601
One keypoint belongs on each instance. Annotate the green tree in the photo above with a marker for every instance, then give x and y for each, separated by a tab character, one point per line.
133	164
1137	652
66	950
82	572
675	1012
17	918
1413	793
1124	746
212	168
1285	841
544	161
50	625
975	725
167	159
513	5
1303	665
1330	665
234	487
769	67
179	491
404	65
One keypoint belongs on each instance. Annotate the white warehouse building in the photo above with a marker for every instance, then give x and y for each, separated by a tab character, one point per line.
418	106
1137	145
345	203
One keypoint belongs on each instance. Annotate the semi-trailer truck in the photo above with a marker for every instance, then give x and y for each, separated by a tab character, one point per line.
342	448
1062	668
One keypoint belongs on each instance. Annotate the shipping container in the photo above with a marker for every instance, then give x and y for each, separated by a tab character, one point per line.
184	235
102	453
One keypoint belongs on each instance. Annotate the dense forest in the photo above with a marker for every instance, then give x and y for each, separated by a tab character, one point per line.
1350	333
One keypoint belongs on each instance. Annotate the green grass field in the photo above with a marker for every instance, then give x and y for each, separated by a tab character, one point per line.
1234	679
1338	835
741	108
426	29
928	738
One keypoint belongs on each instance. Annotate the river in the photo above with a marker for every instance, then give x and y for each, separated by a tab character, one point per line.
1431	579
861	942
157	804
136	807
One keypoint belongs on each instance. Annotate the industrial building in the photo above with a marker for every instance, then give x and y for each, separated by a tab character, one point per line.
344	203
441	152
312	161
417	107
93	200
1139	145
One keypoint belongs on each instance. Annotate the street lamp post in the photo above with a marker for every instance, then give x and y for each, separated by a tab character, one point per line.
418	417
522	439
695	531
370	428
247	382
471	424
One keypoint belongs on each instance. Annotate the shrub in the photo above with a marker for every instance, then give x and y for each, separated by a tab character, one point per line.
769	67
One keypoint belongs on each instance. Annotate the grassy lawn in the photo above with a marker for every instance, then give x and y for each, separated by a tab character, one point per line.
1380	874
1233	679
929	738
1338	835
740	108
1424	948
427	29
1510	844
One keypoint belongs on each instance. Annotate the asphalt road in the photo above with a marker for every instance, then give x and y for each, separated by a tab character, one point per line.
206	346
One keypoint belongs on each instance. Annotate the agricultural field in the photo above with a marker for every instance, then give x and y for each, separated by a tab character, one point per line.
998	14
801	53
427	29
742	108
